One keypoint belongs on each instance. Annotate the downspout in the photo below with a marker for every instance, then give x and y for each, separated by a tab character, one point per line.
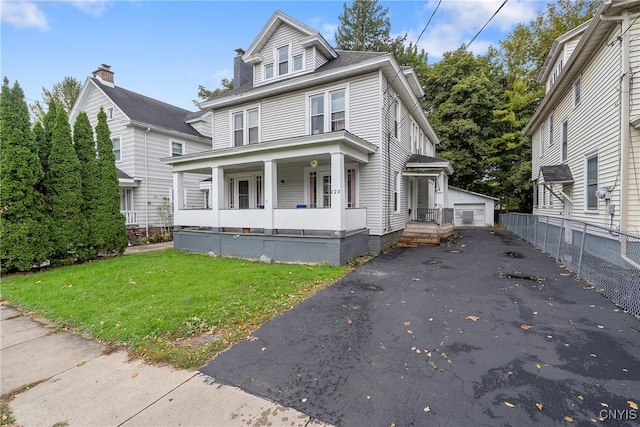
146	184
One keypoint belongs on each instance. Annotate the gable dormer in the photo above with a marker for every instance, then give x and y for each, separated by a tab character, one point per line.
286	48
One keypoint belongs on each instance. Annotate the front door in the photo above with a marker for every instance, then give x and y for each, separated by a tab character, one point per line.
243	194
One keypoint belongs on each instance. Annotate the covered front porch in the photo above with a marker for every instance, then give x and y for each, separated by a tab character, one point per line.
261	196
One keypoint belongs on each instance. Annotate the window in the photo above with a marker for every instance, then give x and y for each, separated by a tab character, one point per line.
541	146
245	127
109	113
396	117
117	150
283	60
551	128
576	92
335	103
297	63
238	129
252	119
592	182
126	199
268	71
177	148
337	111
317	114
563	141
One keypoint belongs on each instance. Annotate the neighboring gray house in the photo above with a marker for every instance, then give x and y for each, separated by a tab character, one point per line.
143	130
318	155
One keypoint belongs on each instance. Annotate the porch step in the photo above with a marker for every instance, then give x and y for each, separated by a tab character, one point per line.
425	234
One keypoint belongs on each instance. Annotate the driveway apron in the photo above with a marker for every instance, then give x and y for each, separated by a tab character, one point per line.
486	330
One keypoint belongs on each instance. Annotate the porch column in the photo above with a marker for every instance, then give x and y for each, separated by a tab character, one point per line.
338	194
217	197
441	190
270	193
178	196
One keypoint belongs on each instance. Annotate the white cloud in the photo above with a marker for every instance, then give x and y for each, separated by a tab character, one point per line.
457	22
23	14
328	31
91	7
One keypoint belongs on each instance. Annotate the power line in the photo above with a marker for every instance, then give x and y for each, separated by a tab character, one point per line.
429	21
487	23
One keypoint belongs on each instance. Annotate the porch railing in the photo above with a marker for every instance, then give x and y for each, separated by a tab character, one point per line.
437	215
130	217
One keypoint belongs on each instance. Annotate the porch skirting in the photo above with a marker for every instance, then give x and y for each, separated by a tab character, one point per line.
294	249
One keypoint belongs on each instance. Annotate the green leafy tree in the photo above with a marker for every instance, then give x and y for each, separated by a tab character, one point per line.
205	94
23	222
84	145
43	140
64	94
110	228
64	193
509	154
365	25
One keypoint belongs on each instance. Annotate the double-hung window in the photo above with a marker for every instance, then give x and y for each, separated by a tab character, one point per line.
245	127
177	148
333	102
396	118
576	91
297	63
592	182
117	149
563	139
550	129
283	60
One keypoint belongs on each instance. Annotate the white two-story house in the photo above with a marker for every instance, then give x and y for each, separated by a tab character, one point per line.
317	155
586	130
143	130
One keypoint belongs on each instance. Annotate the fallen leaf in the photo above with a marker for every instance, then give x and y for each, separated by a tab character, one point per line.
252	338
409	332
418	351
427	409
604	404
263	349
349	321
633	404
539	406
135	374
525	327
415	279
474	318
600	327
568	419
304	400
593	355
510	405
407	323
538	366
580	397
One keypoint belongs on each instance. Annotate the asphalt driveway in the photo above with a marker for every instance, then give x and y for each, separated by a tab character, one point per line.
484	331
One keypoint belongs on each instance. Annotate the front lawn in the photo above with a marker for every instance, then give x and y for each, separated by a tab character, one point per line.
166	306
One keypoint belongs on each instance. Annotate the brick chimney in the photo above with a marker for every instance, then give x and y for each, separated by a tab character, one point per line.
242	72
104	73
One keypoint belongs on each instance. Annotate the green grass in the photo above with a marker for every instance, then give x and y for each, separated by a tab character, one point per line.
150	302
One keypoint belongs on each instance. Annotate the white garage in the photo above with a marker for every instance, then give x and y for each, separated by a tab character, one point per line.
471	209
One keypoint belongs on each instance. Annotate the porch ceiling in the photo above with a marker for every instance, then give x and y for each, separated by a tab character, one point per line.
298	149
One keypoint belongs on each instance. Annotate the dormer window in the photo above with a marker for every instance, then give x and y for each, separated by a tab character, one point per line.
297	63
268	71
283	60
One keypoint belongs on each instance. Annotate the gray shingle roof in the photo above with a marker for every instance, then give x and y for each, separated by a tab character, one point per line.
420	159
558	174
122	175
147	110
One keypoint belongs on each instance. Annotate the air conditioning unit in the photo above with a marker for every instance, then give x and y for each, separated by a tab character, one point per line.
603	193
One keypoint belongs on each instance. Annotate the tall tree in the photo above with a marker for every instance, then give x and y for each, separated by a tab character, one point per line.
23	222
64	93
43	140
205	94
64	192
84	145
365	25
110	228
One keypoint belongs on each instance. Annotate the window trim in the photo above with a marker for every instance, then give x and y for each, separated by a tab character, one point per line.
397	113
264	71
326	119
587	157
110	111
176	141
577	91
277	60
551	128
564	141
397	184
245	125
113	150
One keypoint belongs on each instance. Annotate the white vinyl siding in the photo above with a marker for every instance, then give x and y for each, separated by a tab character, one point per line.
285	38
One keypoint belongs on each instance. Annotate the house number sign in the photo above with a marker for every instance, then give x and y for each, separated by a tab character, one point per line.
335	191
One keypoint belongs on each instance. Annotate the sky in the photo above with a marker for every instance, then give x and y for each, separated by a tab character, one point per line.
166	49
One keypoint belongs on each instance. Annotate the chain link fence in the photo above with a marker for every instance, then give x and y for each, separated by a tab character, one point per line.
607	258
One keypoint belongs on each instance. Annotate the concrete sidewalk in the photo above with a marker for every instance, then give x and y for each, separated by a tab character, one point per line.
79	382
